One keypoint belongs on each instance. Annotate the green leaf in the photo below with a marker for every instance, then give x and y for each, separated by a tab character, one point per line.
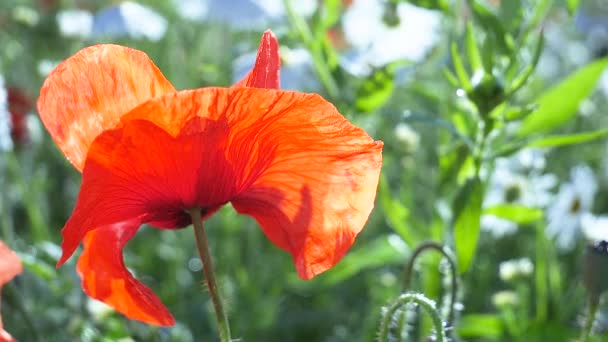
520	214
492	24
572	5
377	88
473	49
485	326
560	103
568	139
463	76
522	78
467	214
383	251
395	213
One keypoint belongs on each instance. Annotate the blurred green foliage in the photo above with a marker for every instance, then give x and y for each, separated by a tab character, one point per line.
476	96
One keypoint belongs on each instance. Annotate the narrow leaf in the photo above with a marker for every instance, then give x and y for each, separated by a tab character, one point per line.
473	49
520	214
568	139
461	72
467	214
560	103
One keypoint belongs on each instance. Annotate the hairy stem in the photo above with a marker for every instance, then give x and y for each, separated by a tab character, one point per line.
418	298
214	292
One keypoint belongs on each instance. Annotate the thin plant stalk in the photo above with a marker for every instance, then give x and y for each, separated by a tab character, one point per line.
210	278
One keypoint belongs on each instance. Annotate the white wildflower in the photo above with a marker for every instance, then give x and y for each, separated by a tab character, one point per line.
377	44
574	199
75	23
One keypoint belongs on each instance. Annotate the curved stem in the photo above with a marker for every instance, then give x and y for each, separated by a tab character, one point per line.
594	302
409	270
214	292
427	304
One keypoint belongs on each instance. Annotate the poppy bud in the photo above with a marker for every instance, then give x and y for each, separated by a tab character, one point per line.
595	279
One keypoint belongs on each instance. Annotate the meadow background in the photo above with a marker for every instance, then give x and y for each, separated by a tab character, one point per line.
493	115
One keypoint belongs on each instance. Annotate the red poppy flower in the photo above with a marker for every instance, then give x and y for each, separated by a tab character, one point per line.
148	153
10	266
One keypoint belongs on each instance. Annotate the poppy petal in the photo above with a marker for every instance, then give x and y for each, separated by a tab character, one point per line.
288	159
314	179
105	277
266	70
141	172
320	188
10	265
87	94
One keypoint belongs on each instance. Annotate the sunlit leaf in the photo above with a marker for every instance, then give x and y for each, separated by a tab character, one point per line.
396	214
377	88
473	49
572	5
560	103
492	24
467	214
568	139
461	73
515	212
485	326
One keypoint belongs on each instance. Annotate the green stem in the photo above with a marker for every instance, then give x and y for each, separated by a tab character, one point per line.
542	296
409	270
315	47
594	302
427	304
214	292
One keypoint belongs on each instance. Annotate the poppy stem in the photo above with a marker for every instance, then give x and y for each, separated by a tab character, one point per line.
214	292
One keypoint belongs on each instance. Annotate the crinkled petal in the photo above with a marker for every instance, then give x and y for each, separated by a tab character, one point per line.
288	159
105	277
266	70
141	172
320	187
306	174
87	94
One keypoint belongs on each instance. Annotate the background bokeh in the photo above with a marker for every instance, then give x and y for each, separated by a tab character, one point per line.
392	68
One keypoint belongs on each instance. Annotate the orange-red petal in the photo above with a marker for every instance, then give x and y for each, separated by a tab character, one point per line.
266	70
105	277
288	159
10	266
89	92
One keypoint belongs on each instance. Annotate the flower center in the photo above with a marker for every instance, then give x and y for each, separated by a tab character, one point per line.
512	193
576	205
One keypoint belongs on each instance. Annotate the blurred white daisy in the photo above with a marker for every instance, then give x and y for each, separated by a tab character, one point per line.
241	14
573	201
129	19
376	44
75	23
517	180
6	142
594	228
407	136
515	268
297	71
